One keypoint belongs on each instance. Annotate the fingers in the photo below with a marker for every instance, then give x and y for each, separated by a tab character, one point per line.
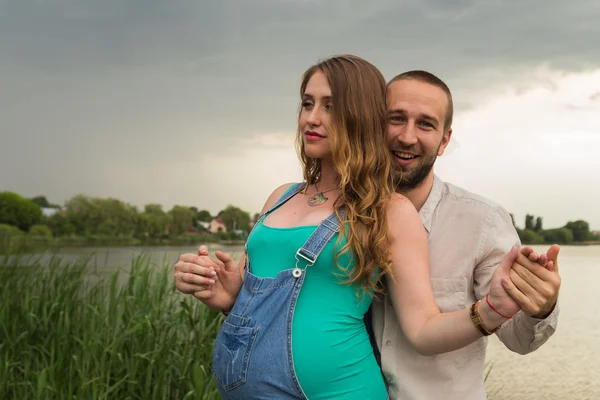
552	255
533	257
207	272
187	288
204	294
204	261
226	259
200	260
191	277
525	281
203	250
205	269
540	270
543	260
541	296
544	281
195	279
514	292
509	259
528	252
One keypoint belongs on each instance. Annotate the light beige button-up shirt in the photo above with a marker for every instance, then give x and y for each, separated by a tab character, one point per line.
468	237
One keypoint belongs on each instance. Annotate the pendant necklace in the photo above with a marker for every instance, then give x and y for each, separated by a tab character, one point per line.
318	198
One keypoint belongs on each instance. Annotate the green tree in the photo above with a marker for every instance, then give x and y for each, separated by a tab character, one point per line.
529	222
18	211
580	229
41	201
122	215
107	228
538	224
82	214
204	216
102	216
235	218
558	236
59	224
40	230
154	222
528	236
10	230
181	219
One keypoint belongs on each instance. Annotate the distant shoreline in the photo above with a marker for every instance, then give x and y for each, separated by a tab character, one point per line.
588	243
29	244
37	244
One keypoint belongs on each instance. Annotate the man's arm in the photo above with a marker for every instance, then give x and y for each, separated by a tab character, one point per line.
523	333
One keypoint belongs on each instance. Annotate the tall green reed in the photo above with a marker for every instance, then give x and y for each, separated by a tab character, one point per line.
63	336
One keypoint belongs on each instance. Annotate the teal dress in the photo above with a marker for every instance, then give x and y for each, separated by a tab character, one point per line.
332	354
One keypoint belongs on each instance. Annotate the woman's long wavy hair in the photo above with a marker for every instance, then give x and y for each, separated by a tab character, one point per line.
362	159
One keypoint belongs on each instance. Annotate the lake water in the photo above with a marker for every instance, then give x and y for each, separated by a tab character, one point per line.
566	367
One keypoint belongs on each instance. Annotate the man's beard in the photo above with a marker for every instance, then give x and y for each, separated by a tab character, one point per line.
408	180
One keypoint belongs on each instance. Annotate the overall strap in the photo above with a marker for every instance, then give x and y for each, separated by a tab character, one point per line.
288	194
315	244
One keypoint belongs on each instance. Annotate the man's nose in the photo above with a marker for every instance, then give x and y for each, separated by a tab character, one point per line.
407	134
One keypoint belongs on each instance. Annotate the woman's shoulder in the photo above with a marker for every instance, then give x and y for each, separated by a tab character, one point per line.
276	194
281	190
400	208
399	202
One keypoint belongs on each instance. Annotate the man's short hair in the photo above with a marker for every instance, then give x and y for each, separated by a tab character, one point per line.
428	77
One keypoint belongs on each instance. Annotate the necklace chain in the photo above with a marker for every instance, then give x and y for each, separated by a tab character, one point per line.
318	198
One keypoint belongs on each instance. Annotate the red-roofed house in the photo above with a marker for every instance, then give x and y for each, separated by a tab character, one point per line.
217	225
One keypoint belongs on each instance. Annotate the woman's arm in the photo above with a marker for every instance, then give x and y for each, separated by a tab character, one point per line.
429	330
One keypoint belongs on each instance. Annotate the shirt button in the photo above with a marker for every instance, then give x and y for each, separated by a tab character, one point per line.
388	343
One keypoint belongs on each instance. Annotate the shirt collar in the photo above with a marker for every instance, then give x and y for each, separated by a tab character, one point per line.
435	195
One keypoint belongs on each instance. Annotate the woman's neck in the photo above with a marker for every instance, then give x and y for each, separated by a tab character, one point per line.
329	176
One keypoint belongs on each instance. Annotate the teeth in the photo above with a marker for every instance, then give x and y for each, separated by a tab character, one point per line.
404	156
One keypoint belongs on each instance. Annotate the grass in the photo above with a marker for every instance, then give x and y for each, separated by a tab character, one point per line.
127	336
66	333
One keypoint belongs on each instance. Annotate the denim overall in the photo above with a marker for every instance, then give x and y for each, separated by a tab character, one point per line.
253	350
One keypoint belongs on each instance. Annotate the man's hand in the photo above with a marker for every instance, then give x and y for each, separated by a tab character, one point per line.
223	292
498	297
194	273
215	282
533	286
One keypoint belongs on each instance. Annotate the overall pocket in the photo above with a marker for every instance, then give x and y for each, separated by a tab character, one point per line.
233	347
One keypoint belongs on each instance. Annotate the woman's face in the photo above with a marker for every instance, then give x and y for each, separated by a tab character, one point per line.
315	117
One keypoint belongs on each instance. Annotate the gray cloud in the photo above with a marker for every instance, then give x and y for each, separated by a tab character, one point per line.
87	85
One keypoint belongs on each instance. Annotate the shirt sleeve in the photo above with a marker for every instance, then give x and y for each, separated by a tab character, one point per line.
522	334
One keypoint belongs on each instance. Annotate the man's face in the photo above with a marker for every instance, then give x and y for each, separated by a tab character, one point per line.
415	132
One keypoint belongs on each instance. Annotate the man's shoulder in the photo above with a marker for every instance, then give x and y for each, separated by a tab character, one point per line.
469	202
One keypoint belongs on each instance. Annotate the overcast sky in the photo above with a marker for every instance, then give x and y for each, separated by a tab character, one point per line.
194	102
